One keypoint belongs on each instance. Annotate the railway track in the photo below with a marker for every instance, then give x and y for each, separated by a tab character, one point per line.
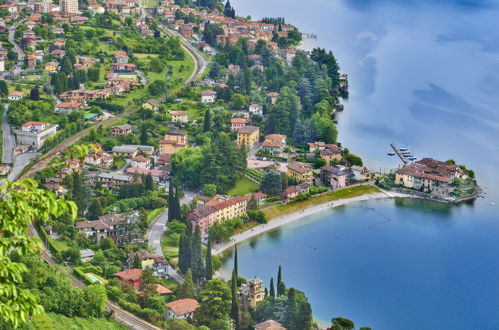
128	319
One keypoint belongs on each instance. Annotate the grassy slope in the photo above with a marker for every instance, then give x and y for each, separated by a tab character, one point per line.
243	187
332	196
60	322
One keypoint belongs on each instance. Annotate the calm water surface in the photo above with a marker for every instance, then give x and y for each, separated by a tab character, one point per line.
425	74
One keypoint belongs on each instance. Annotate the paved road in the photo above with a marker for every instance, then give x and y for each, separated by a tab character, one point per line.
155	233
18	69
9	140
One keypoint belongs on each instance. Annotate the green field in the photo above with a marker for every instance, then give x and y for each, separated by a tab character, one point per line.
243	187
60	322
281	210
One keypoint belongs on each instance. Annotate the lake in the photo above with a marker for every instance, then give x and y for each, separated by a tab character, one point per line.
423	74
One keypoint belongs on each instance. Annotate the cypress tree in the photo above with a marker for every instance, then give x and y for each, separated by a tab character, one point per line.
291	312
279	280
95	210
196	256
4	89
149	182
234	310
281	289
207	121
266	292
208	262
272	290
235	261
183	251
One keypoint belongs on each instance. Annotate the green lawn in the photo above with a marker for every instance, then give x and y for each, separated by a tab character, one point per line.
243	187
169	243
60	322
332	196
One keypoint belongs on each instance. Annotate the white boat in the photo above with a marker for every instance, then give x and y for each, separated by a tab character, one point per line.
403	149
391	154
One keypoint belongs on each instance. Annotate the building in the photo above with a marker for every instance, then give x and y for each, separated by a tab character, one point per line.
272	97
301	172
98	158
124	129
158	264
34	134
151	104
429	175
86	255
335	176
132	277
174	141
182	308
179	116
141	162
269	325
15	96
121	57
204	216
112	226
256	109
331	153
290	192
157	175
68	107
2	63
361	173
125	150
237	123
208	96
252	292
69	6
146	150
51	67
274	143
113	180
248	136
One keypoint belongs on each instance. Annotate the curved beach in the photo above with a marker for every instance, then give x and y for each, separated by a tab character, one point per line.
281	221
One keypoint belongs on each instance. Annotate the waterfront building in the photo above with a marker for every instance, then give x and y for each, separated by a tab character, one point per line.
252	292
301	172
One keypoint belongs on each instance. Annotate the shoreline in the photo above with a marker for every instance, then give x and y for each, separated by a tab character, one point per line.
292	217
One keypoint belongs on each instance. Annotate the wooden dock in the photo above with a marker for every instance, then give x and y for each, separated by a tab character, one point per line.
403	158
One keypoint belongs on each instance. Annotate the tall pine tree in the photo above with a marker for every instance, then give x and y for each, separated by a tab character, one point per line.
207	121
234	310
235	261
208	263
272	290
196	256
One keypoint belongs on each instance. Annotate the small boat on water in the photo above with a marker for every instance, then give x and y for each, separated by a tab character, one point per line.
403	149
391	154
413	158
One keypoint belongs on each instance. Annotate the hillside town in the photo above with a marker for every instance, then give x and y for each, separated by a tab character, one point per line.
170	128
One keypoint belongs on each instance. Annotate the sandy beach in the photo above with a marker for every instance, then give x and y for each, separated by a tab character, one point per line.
281	221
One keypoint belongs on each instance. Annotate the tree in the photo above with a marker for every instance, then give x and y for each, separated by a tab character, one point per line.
272	290
136	262
238	101
147	287
157	87
149	182
184	252
4	89
196	256
34	94
77	192
280	284
271	184
186	288
235	261
208	263
71	255
178	324
21	203
207	121
143	135
96	298
342	323
234	310
95	210
209	190
214	305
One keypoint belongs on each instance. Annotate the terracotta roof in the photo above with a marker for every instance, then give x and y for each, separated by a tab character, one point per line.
140	159
208	93
162	290
31	123
272	94
178	113
183	306
238	121
269	325
16	93
129	275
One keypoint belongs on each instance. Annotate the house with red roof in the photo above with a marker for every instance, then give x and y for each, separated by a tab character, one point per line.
130	276
182	308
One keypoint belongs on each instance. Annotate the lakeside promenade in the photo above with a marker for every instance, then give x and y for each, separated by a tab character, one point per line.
283	220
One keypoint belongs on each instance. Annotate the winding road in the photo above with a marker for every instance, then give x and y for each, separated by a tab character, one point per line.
128	319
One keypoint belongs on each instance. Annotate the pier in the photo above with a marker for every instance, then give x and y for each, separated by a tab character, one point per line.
399	153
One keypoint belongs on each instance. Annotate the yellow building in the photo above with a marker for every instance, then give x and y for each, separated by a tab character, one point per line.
301	172
151	105
174	141
231	208
248	136
51	67
252	292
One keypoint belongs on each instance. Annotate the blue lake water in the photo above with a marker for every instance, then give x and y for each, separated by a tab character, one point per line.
425	74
